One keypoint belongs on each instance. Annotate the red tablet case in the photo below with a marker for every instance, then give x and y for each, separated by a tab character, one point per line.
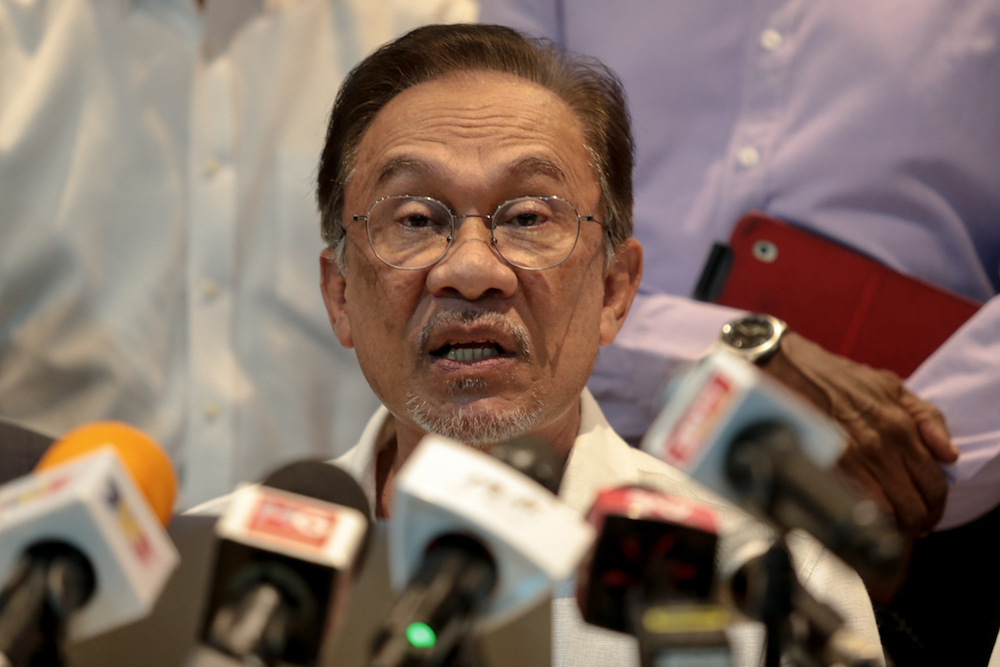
845	301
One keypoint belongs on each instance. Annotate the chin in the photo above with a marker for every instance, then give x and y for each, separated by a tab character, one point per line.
473	424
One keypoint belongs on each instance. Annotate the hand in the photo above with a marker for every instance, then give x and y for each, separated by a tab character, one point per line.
894	438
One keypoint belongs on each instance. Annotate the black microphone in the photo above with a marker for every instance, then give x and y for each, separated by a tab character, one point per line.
472	541
651	573
533	457
284	562
766	467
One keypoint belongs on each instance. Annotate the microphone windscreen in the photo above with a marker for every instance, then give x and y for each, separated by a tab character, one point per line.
148	465
533	457
322	481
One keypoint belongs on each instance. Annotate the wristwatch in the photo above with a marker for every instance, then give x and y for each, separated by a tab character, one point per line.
755	337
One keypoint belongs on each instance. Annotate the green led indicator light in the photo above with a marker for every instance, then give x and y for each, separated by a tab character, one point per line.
421	635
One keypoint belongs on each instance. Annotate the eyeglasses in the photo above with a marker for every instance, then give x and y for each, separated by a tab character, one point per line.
533	233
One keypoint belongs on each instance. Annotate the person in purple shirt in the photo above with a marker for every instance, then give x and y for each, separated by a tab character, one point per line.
871	123
876	124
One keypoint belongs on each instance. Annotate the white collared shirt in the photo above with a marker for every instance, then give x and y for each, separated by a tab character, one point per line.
159	236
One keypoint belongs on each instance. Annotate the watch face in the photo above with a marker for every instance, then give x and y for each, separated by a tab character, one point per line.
747	333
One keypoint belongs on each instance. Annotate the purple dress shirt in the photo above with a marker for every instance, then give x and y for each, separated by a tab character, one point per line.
875	123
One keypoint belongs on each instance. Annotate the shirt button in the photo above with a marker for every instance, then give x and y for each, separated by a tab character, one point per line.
748	157
212	411
771	40
210	289
212	167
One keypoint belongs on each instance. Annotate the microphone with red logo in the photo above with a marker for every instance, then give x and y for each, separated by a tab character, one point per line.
287	551
651	573
749	439
82	544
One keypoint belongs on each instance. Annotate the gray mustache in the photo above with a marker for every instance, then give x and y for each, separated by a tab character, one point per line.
490	318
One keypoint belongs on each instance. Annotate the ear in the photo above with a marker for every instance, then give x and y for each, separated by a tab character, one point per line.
334	288
621	282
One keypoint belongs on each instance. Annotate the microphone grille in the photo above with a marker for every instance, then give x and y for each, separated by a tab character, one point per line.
148	465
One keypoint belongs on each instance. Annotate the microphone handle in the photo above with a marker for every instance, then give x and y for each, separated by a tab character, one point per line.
243	627
453	579
49	582
767	466
681	633
777	604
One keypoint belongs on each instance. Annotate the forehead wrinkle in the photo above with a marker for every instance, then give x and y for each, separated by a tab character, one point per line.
463	121
537	140
521	170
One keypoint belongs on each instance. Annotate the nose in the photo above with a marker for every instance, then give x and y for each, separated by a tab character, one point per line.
472	268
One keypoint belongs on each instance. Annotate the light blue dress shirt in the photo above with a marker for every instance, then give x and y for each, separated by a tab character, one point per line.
159	237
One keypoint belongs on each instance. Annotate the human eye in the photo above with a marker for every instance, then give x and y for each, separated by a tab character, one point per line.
419	214
526	213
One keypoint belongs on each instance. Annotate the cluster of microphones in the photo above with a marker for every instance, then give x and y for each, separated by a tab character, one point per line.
475	539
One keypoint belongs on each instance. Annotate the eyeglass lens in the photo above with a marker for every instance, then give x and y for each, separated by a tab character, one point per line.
530	232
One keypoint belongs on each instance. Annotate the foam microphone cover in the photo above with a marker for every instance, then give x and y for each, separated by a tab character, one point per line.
319	480
145	462
533	457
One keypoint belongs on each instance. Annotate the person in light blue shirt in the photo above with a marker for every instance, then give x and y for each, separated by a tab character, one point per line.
158	227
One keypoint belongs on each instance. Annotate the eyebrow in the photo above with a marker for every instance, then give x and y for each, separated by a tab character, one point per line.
524	168
402	164
535	166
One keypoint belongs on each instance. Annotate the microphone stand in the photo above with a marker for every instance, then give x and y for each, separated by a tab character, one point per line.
776	608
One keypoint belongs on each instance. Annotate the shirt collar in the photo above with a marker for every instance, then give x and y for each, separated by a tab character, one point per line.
599	458
591	465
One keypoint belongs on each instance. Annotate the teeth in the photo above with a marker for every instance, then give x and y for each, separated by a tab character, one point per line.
470	353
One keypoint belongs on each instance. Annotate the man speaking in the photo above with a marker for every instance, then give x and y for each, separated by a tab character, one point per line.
476	195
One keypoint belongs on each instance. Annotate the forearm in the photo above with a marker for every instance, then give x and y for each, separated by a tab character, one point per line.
963	380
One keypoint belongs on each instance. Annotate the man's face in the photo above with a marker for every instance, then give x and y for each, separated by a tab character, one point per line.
473	141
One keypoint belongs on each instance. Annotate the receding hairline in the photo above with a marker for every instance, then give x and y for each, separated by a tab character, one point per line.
527	166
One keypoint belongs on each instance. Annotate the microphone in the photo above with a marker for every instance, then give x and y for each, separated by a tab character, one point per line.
472	543
82	545
749	439
651	573
283	566
814	634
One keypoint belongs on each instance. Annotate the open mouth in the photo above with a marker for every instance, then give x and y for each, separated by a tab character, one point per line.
470	351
